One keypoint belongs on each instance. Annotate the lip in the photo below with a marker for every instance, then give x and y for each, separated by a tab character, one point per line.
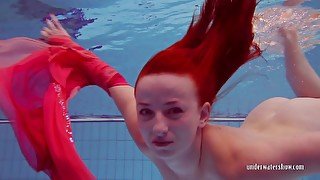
162	143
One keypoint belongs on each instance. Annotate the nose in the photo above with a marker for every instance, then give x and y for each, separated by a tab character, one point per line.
160	128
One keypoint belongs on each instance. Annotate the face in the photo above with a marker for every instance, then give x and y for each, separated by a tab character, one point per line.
169	116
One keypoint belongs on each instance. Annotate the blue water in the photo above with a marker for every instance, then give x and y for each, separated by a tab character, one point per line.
126	33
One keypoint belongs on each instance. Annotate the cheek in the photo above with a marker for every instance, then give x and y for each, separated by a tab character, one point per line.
192	119
144	128
184	136
186	128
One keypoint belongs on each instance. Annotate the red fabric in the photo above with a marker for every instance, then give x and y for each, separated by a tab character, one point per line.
97	71
216	44
36	82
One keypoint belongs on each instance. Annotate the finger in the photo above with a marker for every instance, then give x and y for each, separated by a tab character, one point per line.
50	24
56	21
44	34
47	30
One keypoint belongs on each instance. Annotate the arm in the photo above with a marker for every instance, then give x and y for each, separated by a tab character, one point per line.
102	75
96	71
124	98
303	79
292	2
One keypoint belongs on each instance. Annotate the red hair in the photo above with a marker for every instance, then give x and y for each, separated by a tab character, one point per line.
214	47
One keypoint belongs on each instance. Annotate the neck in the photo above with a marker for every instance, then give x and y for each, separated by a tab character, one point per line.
187	163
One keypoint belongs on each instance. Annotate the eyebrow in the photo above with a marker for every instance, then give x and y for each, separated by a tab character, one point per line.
167	103
143	104
171	102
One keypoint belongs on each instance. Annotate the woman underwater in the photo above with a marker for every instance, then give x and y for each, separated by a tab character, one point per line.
167	112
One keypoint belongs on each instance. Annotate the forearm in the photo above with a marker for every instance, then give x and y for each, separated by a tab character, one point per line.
123	97
98	72
303	79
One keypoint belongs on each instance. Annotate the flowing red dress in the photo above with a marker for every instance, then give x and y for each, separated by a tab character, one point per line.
36	81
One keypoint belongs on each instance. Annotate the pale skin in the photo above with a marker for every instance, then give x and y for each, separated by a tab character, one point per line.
169	126
293	2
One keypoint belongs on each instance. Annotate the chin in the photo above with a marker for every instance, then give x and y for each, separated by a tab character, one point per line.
163	153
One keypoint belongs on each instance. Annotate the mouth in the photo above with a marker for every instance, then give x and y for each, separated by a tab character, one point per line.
162	143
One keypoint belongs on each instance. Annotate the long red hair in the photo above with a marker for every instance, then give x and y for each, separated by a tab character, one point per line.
216	44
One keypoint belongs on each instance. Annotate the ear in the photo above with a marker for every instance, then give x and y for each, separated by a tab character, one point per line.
204	114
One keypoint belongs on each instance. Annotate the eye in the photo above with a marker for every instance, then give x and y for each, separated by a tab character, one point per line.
174	113
175	110
145	112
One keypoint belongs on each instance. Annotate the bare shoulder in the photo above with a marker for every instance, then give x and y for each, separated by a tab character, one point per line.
228	152
264	112
267	106
283	115
220	154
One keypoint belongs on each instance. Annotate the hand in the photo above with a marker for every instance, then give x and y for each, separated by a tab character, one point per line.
54	28
289	35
